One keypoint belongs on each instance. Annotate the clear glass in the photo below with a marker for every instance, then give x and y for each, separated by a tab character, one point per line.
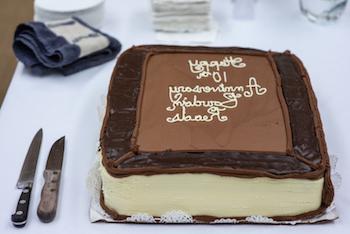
322	11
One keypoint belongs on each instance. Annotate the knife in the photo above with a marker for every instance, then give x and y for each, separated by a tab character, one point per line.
25	181
49	194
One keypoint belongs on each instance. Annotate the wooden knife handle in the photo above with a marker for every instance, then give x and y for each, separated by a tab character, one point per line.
49	196
19	218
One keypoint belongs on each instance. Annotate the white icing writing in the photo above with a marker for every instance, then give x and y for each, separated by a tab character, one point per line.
230	94
204	68
183	98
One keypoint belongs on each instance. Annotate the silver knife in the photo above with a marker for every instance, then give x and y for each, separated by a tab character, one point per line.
25	181
52	174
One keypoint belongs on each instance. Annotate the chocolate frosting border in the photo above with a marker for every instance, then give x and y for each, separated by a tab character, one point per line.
307	158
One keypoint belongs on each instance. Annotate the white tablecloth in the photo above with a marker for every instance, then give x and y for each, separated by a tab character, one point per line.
69	106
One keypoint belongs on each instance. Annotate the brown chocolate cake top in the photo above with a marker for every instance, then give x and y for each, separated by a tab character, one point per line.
218	102
227	111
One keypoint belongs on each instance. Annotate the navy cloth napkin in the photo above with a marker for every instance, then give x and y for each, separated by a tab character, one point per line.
66	46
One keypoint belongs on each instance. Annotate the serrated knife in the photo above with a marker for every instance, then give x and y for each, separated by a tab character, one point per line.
52	174
26	179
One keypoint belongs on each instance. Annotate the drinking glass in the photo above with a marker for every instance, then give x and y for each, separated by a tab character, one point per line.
322	11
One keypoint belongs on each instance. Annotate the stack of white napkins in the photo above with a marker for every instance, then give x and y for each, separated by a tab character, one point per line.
181	15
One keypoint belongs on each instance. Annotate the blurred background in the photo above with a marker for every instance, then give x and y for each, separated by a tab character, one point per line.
12	12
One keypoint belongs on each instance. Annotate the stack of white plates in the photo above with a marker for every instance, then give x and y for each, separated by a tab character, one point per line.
91	11
181	15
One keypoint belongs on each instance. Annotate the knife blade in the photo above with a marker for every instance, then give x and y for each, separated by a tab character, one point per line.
26	179
49	195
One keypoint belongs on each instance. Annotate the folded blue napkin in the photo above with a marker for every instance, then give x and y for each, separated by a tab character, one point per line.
66	46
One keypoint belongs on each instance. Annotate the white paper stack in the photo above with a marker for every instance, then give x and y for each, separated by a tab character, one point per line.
181	15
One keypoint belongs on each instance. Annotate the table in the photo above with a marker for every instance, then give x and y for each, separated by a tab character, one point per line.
71	106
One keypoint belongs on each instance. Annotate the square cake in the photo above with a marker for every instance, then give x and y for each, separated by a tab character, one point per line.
214	133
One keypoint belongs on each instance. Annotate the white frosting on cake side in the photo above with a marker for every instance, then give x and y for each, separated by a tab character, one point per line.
208	194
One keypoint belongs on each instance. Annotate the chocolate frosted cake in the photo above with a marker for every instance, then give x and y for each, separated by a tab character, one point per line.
214	133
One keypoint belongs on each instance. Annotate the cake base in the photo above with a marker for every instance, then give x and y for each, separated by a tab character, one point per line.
98	213
223	196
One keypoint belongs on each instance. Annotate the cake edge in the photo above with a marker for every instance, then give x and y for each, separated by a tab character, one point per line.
322	169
